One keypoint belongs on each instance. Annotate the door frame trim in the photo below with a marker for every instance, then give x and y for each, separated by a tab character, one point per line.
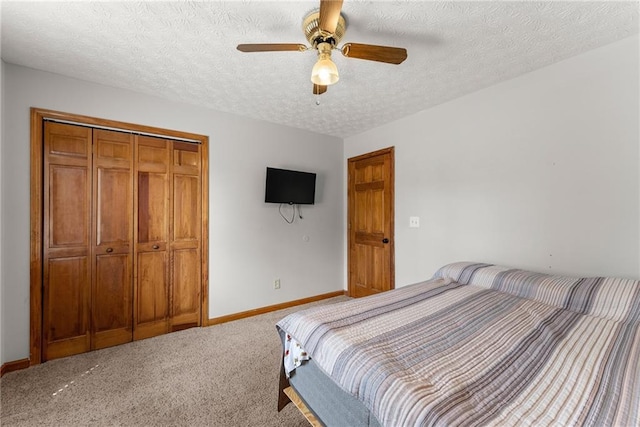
392	268
38	117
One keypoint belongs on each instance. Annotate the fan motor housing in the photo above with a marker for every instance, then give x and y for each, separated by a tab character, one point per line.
313	33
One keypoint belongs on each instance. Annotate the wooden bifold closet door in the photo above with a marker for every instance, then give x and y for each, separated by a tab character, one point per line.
66	240
168	241
112	238
122	247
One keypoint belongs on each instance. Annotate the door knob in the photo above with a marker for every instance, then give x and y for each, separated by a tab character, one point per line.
109	250
385	240
156	247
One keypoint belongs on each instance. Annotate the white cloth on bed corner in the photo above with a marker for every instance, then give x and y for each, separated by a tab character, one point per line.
294	354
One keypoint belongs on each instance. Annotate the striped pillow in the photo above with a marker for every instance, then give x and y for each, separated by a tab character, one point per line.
608	297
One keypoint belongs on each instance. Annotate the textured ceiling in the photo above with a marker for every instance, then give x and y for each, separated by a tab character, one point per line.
185	51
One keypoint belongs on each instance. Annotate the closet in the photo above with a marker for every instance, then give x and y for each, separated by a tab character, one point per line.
121	237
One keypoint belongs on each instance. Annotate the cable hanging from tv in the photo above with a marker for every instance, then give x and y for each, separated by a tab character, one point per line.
293	213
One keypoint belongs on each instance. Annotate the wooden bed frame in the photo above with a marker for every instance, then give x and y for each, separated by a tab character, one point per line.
296	400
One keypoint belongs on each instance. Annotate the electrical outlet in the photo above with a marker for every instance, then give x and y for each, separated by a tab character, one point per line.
414	221
276	284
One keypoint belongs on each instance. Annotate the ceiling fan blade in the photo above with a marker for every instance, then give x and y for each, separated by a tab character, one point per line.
329	15
390	55
319	89
271	47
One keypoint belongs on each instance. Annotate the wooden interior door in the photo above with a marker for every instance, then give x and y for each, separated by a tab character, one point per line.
112	291
371	223
152	237
185	246
66	240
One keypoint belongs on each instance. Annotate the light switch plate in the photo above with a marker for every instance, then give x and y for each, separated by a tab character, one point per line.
414	221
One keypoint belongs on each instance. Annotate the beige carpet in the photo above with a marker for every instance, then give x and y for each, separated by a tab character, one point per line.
223	375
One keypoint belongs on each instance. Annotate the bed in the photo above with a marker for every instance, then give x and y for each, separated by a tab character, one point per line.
478	344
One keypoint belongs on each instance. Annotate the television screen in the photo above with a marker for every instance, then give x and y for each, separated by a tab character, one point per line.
287	186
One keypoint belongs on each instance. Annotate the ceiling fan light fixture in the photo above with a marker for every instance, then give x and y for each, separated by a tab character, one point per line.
324	72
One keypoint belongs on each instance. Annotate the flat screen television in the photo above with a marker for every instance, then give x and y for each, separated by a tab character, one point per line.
288	186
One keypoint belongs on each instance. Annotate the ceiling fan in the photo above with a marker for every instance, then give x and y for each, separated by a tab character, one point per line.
324	29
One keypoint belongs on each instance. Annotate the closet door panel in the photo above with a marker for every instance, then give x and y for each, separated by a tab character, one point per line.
153	299
68	295
66	302
112	312
153	208
152	236
153	154
114	209
68	206
186	283
186	158
66	240
152	308
186	236
186	211
112	300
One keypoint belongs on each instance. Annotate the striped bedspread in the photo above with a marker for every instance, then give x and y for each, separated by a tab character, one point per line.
485	345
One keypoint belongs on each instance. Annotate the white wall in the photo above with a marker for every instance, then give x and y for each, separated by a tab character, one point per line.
539	172
250	245
1	223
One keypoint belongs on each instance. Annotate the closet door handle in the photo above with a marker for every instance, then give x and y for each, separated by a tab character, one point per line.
385	240
156	247
109	250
